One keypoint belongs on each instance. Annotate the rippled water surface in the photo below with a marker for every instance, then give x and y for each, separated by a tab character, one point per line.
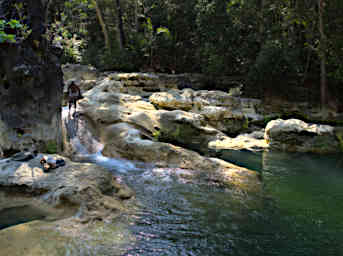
300	211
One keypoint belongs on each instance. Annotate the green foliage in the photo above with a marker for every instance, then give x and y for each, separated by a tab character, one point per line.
264	41
117	60
156	135
274	62
51	147
18	31
5	37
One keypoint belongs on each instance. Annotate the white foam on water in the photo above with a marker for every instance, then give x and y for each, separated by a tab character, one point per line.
119	165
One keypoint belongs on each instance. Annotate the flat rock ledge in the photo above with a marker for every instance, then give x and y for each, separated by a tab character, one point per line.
295	135
79	199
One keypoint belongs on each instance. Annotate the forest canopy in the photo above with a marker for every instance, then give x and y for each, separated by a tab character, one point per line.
263	41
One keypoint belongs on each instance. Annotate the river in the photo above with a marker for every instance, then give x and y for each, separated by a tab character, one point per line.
299	212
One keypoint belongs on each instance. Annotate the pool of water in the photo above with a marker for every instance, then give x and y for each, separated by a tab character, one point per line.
20	214
300	211
176	212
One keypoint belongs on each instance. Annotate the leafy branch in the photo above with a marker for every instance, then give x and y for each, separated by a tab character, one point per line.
21	31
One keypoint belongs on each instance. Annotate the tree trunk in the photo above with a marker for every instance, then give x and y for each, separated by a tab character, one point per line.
261	23
121	37
47	8
322	55
102	24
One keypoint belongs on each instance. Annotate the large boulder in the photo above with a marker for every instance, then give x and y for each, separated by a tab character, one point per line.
173	99
104	105
31	87
186	129
297	136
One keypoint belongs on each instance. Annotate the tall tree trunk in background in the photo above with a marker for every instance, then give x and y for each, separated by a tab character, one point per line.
102	24
121	37
322	55
137	25
261	23
47	8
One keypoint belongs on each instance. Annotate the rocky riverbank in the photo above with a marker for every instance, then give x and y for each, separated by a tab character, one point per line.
76	199
128	108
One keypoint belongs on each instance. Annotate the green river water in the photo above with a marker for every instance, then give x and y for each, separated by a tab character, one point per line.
299	213
178	212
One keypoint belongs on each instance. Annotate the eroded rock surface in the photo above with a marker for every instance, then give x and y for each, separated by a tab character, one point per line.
125	141
221	110
81	200
31	87
297	136
76	184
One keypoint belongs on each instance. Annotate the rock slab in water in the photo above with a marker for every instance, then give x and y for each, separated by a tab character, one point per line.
294	135
76	184
125	141
87	190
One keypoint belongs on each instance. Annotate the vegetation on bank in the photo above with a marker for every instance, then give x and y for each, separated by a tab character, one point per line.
266	42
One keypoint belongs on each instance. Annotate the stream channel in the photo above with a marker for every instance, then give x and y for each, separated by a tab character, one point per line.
299	212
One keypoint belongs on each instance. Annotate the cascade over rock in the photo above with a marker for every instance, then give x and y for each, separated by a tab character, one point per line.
31	87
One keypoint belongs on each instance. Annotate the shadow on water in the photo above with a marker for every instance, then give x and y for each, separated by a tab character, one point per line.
244	158
18	215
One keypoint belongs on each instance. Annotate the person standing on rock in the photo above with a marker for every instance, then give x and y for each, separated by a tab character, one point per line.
74	94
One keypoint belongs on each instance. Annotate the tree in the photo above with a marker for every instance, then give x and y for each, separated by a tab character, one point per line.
121	34
102	24
322	55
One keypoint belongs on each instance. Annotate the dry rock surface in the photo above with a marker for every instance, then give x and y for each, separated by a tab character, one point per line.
77	199
297	136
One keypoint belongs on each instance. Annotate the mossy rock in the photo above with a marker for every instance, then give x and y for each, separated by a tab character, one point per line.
339	136
51	147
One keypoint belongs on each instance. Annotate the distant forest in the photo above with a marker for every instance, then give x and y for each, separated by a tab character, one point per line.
263	42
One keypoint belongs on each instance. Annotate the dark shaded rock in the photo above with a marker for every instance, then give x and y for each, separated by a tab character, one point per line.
23	156
31	87
294	135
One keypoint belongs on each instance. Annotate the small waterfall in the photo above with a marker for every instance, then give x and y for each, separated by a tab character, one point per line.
87	147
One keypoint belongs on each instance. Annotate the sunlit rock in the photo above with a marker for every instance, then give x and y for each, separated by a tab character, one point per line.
241	142
125	141
173	99
79	72
222	111
298	136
